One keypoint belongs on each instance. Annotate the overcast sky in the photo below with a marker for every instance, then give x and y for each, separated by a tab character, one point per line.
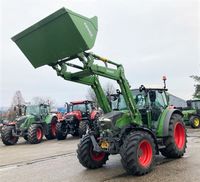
151	38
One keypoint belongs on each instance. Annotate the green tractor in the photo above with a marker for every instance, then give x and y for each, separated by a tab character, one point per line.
136	132
32	126
192	113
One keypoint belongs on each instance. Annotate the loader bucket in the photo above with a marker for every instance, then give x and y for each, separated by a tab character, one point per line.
61	34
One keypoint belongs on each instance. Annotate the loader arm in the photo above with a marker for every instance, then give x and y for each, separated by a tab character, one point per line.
88	75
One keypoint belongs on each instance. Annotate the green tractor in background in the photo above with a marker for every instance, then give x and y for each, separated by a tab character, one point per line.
137	129
192	113
32	126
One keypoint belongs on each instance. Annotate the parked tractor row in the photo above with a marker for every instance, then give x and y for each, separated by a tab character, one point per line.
37	120
138	125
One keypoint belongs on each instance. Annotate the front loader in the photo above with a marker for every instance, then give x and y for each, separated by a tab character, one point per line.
136	133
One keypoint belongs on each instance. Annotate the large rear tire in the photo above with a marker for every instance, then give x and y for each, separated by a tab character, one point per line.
82	128
61	131
138	153
35	133
89	158
51	129
175	143
195	122
7	137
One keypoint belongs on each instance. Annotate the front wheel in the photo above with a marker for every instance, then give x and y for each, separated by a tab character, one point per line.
88	157
7	137
35	133
175	142
82	128
138	153
61	130
51	129
195	121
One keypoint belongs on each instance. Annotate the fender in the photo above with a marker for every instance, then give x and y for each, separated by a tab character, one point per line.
76	114
49	118
130	128
163	127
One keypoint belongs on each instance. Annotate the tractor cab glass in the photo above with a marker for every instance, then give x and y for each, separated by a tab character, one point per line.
44	109
37	110
32	110
89	107
77	107
157	98
195	104
84	108
117	102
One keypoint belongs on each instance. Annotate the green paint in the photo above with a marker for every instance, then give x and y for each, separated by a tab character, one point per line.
124	120
53	38
159	131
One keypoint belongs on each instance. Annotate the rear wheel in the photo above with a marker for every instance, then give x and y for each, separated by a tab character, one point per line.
51	129
82	128
61	130
88	157
138	153
7	137
175	143
35	133
195	121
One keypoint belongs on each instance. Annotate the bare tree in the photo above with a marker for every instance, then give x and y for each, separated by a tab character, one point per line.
43	100
108	89
92	97
196	86
17	99
17	104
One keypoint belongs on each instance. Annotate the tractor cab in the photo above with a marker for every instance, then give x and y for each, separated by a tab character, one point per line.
194	104
83	107
40	111
192	113
151	102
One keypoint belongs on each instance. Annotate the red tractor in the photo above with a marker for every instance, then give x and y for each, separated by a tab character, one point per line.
77	120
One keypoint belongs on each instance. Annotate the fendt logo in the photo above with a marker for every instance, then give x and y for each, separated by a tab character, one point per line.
88	29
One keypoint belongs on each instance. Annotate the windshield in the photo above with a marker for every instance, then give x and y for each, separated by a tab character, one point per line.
196	104
140	99
77	107
118	104
33	110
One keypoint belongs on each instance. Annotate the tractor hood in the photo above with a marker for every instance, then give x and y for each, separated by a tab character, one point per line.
74	114
115	119
109	120
21	120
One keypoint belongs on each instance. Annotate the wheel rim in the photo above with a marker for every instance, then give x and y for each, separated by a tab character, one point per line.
196	122
96	156
39	133
145	153
53	129
179	136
